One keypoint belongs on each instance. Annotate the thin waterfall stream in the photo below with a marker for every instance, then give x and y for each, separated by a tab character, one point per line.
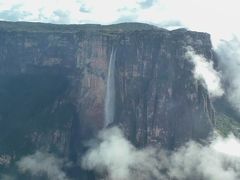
110	91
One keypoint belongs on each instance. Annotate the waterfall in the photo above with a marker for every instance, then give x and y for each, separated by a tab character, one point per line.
110	91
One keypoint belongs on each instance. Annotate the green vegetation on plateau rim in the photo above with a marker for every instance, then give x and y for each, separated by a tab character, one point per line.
226	125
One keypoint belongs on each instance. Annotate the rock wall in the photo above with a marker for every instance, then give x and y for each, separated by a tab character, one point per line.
53	85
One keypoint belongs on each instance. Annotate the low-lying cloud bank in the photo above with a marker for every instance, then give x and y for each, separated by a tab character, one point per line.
115	157
44	164
205	72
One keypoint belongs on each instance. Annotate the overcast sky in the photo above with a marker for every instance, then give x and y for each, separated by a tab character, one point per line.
218	17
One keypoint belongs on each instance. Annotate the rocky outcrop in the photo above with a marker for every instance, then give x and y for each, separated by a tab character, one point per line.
53	85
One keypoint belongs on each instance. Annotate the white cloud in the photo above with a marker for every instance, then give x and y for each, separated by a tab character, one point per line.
229	62
194	161
42	164
114	156
229	146
97	11
120	158
216	17
204	71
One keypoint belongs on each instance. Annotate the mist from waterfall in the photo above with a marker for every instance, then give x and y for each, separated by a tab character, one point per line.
110	92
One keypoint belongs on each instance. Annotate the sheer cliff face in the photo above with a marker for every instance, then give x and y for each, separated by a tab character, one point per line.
53	87
158	99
